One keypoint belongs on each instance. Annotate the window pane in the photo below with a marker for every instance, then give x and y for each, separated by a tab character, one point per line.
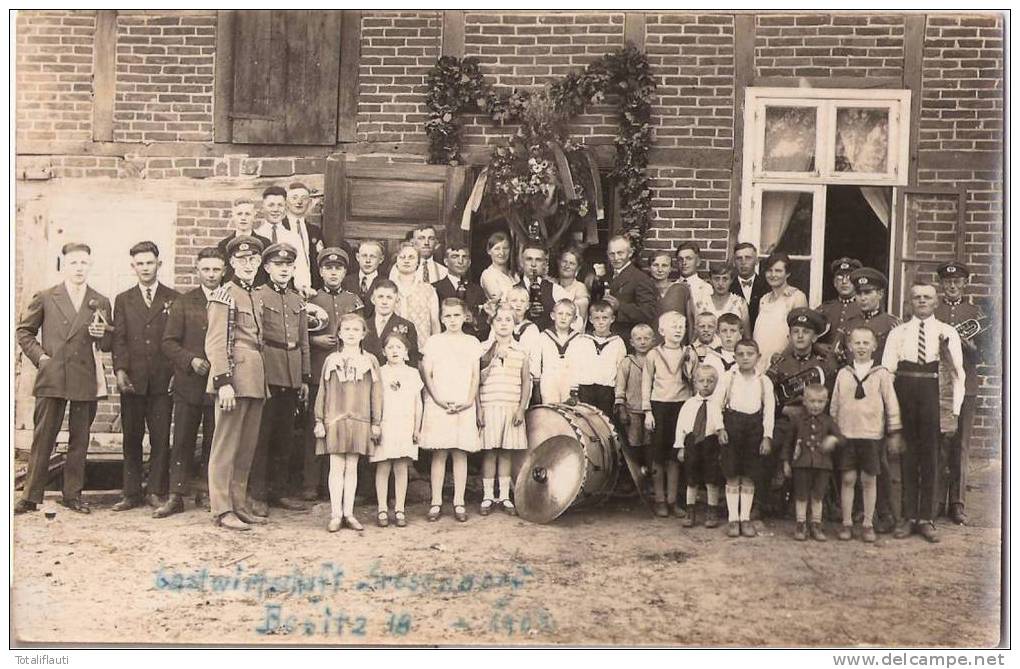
786	222
790	139
862	140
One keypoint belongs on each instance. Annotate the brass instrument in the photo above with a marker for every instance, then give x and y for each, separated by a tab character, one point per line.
318	319
972	327
792	387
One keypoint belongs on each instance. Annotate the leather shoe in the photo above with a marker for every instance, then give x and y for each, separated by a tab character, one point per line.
747	529
310	495
903	530
288	503
957	515
928	531
77	505
24	506
174	504
250	518
127	504
230	521
258	507
155	501
201	500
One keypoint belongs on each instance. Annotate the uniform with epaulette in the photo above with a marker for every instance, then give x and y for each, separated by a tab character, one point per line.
880	322
288	371
233	345
324	311
790	373
839	311
968	320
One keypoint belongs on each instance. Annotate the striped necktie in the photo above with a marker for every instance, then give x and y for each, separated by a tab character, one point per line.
148	297
922	353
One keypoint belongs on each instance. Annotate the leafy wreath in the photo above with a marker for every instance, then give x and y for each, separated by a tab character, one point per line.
523	170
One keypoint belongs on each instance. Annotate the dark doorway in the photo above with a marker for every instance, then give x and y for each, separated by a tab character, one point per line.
853	229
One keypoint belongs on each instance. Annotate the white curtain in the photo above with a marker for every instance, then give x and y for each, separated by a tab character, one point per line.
880	199
777	209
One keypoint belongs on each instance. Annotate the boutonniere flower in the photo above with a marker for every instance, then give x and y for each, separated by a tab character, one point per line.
394	385
402	329
166	306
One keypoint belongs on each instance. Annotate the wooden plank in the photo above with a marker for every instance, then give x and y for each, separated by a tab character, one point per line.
743	76
634	29
453	33
104	78
913	50
223	79
829	82
395	199
350	62
457	192
333	208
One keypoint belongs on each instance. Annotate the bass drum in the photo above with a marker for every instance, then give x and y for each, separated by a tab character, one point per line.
573	459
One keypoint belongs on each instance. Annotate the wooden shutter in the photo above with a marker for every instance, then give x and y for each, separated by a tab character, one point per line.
286	77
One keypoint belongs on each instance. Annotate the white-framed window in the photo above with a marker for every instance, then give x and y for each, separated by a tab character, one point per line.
828	135
799	143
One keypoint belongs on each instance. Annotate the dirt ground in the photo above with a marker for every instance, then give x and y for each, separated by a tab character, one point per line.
612	575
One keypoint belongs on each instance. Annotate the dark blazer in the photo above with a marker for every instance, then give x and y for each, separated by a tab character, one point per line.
475	299
228	272
352	284
70	372
183	341
758	289
542	320
138	339
638	297
372	343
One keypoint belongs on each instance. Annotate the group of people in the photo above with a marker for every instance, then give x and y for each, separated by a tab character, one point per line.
732	384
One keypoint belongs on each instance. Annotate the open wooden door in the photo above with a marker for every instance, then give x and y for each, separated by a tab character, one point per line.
385	202
929	230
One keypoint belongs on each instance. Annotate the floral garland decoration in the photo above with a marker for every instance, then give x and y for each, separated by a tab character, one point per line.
522	169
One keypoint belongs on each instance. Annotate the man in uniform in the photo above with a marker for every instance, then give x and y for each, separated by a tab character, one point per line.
456	284
804	362
919	352
288	372
632	293
143	378
954	309
75	320
233	345
543	292
184	346
838	311
332	265
870	285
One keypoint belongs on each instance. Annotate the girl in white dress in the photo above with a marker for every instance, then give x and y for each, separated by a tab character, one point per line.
503	397
449	426
401	428
498	278
770	330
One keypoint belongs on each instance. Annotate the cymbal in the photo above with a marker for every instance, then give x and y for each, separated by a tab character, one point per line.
550	478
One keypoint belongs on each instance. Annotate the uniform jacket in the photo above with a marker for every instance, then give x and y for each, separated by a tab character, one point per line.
838	314
183	341
284	336
638	297
138	339
474	297
373	341
336	305
881	323
808	434
235	357
228	272
70	372
759	288
954	315
787	364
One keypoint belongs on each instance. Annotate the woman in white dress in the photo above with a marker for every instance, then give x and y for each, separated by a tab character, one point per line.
568	265
497	278
416	299
770	330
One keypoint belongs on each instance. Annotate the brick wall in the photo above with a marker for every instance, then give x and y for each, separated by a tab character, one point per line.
693	58
691	205
397	50
164	78
526	49
828	45
54	75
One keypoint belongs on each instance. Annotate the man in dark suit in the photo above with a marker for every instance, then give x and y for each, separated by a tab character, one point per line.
383	321
456	284
242	217
632	293
75	320
748	283
543	292
306	270
184	346
370	258
143	377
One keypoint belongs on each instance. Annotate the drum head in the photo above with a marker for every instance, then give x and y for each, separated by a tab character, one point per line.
550	479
